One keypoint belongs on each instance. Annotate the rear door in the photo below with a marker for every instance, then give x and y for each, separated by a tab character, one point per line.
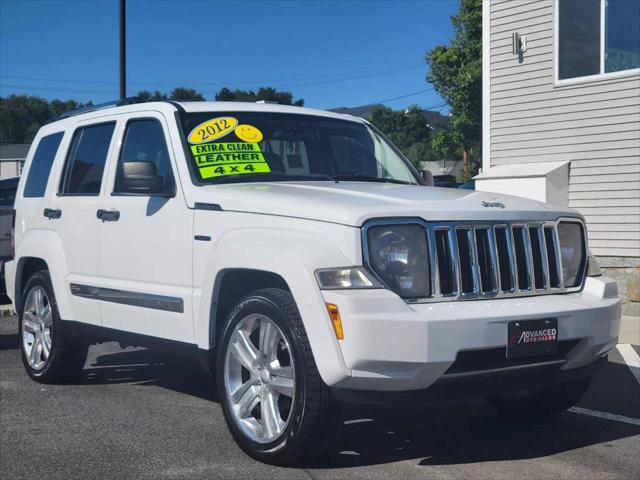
71	212
146	236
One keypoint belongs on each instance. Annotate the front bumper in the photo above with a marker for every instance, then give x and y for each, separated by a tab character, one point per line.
505	383
390	345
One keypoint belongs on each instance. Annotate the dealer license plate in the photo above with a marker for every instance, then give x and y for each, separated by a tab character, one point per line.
530	338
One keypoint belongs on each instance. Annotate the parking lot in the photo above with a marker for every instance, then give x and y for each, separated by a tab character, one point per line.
144	414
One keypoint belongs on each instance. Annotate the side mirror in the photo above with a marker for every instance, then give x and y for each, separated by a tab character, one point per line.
427	176
137	177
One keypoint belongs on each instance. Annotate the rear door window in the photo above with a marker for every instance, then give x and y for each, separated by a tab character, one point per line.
86	160
41	165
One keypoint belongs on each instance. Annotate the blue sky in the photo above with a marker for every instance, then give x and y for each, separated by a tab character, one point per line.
331	53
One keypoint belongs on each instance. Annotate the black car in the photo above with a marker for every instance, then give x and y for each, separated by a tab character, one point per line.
448	181
8	190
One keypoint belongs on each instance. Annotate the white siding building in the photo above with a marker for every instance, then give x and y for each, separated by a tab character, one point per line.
562	117
12	158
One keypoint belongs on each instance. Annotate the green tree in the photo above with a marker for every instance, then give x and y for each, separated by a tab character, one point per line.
21	116
185	95
146	96
180	94
58	107
407	129
264	93
456	74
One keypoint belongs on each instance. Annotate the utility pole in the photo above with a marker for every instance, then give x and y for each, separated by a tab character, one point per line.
123	50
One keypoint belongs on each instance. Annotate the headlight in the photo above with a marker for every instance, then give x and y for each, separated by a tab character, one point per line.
345	278
593	268
572	253
398	255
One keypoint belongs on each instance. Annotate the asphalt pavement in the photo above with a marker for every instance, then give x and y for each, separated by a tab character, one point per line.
145	414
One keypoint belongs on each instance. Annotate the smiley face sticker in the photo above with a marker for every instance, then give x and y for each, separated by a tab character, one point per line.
248	133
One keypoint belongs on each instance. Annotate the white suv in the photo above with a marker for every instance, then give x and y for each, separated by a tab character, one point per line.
305	261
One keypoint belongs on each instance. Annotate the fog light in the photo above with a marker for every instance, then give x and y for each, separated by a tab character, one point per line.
336	321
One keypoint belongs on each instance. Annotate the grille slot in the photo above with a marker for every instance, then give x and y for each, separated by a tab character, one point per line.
538	257
552	256
465	255
505	259
521	248
446	270
486	260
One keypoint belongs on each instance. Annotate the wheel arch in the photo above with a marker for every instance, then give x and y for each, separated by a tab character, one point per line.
38	249
230	285
26	267
237	257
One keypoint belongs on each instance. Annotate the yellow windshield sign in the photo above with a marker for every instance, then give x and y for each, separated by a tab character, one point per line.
220	159
212	130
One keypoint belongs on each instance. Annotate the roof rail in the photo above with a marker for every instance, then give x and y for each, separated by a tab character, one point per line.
93	108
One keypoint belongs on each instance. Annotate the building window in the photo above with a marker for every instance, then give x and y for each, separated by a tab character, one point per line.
597	37
622	35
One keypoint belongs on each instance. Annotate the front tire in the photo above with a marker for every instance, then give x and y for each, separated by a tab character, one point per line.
543	401
47	354
276	406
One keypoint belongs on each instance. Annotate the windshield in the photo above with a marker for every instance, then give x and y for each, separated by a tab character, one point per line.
259	147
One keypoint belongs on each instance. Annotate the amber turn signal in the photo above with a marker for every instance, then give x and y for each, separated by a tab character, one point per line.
336	321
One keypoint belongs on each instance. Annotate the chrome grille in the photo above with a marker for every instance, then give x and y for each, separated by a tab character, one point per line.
486	260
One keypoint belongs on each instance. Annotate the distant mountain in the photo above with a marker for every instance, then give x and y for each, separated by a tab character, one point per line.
434	119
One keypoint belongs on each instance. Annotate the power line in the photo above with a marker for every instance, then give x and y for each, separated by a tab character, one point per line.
405	96
358	77
30	88
315	80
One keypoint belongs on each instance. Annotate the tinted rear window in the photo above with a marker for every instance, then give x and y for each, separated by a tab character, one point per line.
41	165
87	157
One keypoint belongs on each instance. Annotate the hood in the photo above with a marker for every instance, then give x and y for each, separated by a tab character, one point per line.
352	203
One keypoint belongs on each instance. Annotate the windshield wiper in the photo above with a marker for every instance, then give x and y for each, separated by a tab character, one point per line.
370	178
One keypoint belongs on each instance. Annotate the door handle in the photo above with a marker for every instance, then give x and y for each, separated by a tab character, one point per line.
108	215
52	213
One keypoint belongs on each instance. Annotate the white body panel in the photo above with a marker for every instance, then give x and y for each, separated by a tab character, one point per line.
390	345
289	229
147	251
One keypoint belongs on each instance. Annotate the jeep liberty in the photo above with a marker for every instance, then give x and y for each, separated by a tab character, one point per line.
305	262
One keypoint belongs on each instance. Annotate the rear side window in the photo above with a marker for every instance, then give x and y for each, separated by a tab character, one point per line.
41	165
86	160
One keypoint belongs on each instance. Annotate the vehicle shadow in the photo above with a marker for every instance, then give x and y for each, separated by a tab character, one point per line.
456	432
464	432
150	367
10	341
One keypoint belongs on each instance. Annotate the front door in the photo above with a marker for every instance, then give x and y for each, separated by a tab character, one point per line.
146	237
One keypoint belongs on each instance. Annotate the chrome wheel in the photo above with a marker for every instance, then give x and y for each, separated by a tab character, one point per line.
259	378
37	326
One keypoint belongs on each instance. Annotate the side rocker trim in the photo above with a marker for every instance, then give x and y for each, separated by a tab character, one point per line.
125	297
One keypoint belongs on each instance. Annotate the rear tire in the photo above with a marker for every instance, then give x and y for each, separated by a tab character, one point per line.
543	401
49	355
307	417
